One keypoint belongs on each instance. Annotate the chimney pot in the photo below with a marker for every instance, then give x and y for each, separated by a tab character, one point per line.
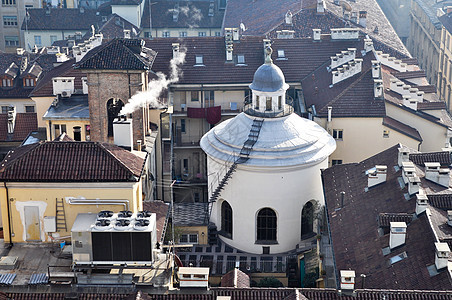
421	203
397	234
376	175
347	279
441	255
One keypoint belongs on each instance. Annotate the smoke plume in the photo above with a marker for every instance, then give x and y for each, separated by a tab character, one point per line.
155	87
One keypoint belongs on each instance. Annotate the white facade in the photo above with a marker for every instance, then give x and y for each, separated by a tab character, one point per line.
281	175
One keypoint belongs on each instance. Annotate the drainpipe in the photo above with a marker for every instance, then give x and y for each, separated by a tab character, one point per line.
74	201
9	215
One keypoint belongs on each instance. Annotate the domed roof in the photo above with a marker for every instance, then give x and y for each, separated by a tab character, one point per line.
269	78
282	142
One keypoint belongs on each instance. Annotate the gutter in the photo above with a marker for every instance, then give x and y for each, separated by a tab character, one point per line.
74	201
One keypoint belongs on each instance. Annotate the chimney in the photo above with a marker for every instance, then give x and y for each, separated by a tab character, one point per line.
235	34
126	33
288	18
404	156
378	88
228	43
448	9
354	17
20	51
63	86
347	280
330	112
441	255
376	69
449	217
176	49
376	175
397	235
408	169
320	6
368	45
176	12
413	184
363	18
82	10
434	173
421	203
316	34
11	118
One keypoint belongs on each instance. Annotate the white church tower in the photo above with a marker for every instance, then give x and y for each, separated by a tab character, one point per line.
264	169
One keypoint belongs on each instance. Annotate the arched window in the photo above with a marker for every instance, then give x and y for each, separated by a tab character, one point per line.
307	220
266	225
114	106
226	219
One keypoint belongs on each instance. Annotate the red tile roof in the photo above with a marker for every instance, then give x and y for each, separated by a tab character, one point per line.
400	127
161	209
71	162
24	124
60	19
236	279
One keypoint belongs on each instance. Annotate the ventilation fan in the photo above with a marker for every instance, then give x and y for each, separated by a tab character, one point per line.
103	223
125	214
143	214
122	223
105	214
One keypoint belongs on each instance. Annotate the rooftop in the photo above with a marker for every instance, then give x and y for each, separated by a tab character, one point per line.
370	210
60	19
71	162
70	108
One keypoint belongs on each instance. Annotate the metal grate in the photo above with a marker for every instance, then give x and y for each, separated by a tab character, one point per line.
7	279
40	278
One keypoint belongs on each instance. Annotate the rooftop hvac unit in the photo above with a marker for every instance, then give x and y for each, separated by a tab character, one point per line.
114	238
122	132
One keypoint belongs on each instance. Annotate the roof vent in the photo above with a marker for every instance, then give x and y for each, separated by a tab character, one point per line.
347	280
288	18
397	235
320	6
316	33
376	69
442	252
127	33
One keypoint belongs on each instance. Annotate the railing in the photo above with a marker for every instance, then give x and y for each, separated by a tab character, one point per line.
220	173
268	113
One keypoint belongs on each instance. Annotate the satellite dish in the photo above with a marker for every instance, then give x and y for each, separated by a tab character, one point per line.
346	6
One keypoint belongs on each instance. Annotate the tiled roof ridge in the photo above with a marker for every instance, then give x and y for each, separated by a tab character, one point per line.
351	85
8	164
137	56
106	150
94	53
65	66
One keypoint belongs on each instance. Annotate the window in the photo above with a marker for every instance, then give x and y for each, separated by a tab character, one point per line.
29	5
281	54
217	33
336	162
194	96
29	108
257	102
11	41
209	98
53	38
29	82
202	33
165	34
77	133
183	34
147	35
4	109
9	21
182	125
188	238
279	102
6	82
386	133
268	103
9	2
240	59
226	219
199	60
37	40
59	129
266	225
338	134
196	197
88	132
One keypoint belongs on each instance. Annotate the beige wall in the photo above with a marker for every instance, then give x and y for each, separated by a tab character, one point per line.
221	97
42	105
444	86
175	32
70	124
43	195
434	136
362	138
201	231
18	103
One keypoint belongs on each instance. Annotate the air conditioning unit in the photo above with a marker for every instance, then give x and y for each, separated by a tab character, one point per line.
66	93
114	238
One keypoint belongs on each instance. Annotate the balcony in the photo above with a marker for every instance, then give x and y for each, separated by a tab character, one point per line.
191	179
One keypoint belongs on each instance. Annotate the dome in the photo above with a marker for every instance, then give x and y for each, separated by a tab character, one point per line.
282	142
269	78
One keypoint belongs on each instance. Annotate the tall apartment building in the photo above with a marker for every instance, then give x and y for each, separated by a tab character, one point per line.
12	13
445	61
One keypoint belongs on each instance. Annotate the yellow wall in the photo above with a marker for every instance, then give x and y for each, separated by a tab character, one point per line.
69	128
363	137
202	239
44	196
42	105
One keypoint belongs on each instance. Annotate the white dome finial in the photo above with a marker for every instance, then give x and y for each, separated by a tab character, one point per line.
268	55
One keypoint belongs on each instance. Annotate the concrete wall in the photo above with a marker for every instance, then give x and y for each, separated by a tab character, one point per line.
42	105
45	35
43	195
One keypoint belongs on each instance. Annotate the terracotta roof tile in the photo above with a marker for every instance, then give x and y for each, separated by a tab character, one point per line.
161	209
444	158
236	279
71	162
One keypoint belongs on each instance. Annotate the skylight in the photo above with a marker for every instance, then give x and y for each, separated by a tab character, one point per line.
398	258
199	60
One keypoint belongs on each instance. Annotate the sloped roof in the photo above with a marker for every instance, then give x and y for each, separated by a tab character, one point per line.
192	14
444	158
191	214
24	124
71	162
403	128
236	279
60	19
361	250
118	54
71	108
446	20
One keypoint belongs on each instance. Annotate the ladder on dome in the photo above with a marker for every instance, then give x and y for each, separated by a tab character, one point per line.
242	158
60	215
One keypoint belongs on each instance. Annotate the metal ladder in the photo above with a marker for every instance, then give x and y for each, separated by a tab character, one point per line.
242	158
60	215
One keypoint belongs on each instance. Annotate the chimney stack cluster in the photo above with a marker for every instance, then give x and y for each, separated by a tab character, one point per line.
81	49
391	62
409	177
343	57
348	70
421	202
228	43
344	33
368	45
376	175
435	173
411	96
